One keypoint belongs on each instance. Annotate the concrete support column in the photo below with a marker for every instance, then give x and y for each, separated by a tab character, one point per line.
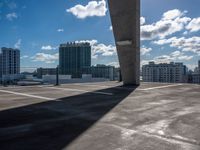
125	18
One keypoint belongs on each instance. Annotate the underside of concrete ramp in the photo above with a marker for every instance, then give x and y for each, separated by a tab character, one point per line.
125	17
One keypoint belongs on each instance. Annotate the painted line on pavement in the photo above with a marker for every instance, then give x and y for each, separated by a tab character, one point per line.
27	95
160	87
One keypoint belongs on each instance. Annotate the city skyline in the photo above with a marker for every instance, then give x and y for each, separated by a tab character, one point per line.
168	32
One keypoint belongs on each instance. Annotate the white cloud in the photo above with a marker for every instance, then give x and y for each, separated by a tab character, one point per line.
144	62
93	8
191	66
174	56
104	50
48	47
172	14
60	30
186	44
92	42
18	44
185	32
178	55
185	57
11	16
144	50
172	21
116	64
47	58
111	28
24	57
194	25
100	49
163	59
142	20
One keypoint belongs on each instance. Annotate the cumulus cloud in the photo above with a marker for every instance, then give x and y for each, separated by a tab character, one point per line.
191	66
93	8
142	20
186	44
167	58
100	49
178	55
194	25
172	21
144	62
104	50
185	32
174	56
163	59
46	58
60	30
172	14
116	64
111	28
18	44
48	47
144	50
11	16
24	57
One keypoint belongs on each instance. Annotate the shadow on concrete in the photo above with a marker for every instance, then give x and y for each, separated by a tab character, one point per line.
53	125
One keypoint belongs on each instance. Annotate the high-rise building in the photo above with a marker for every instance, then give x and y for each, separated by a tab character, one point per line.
169	73
73	57
194	77
197	69
10	63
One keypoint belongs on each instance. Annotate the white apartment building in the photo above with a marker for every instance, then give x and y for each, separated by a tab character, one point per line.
168	73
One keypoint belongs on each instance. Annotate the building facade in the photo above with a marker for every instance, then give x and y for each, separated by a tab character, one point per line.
1	65
168	73
73	57
45	71
194	77
100	71
9	64
199	65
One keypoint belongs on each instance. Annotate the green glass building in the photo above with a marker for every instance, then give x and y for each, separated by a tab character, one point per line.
73	57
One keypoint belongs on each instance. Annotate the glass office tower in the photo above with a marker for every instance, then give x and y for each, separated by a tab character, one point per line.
73	57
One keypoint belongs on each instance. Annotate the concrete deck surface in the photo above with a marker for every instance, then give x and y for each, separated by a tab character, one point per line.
100	116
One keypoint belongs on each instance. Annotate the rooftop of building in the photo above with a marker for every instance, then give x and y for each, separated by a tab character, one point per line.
75	44
100	116
164	64
9	49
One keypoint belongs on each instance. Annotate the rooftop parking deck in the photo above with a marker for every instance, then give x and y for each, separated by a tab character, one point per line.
100	116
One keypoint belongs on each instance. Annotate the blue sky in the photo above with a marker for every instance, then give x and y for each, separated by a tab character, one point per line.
169	30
